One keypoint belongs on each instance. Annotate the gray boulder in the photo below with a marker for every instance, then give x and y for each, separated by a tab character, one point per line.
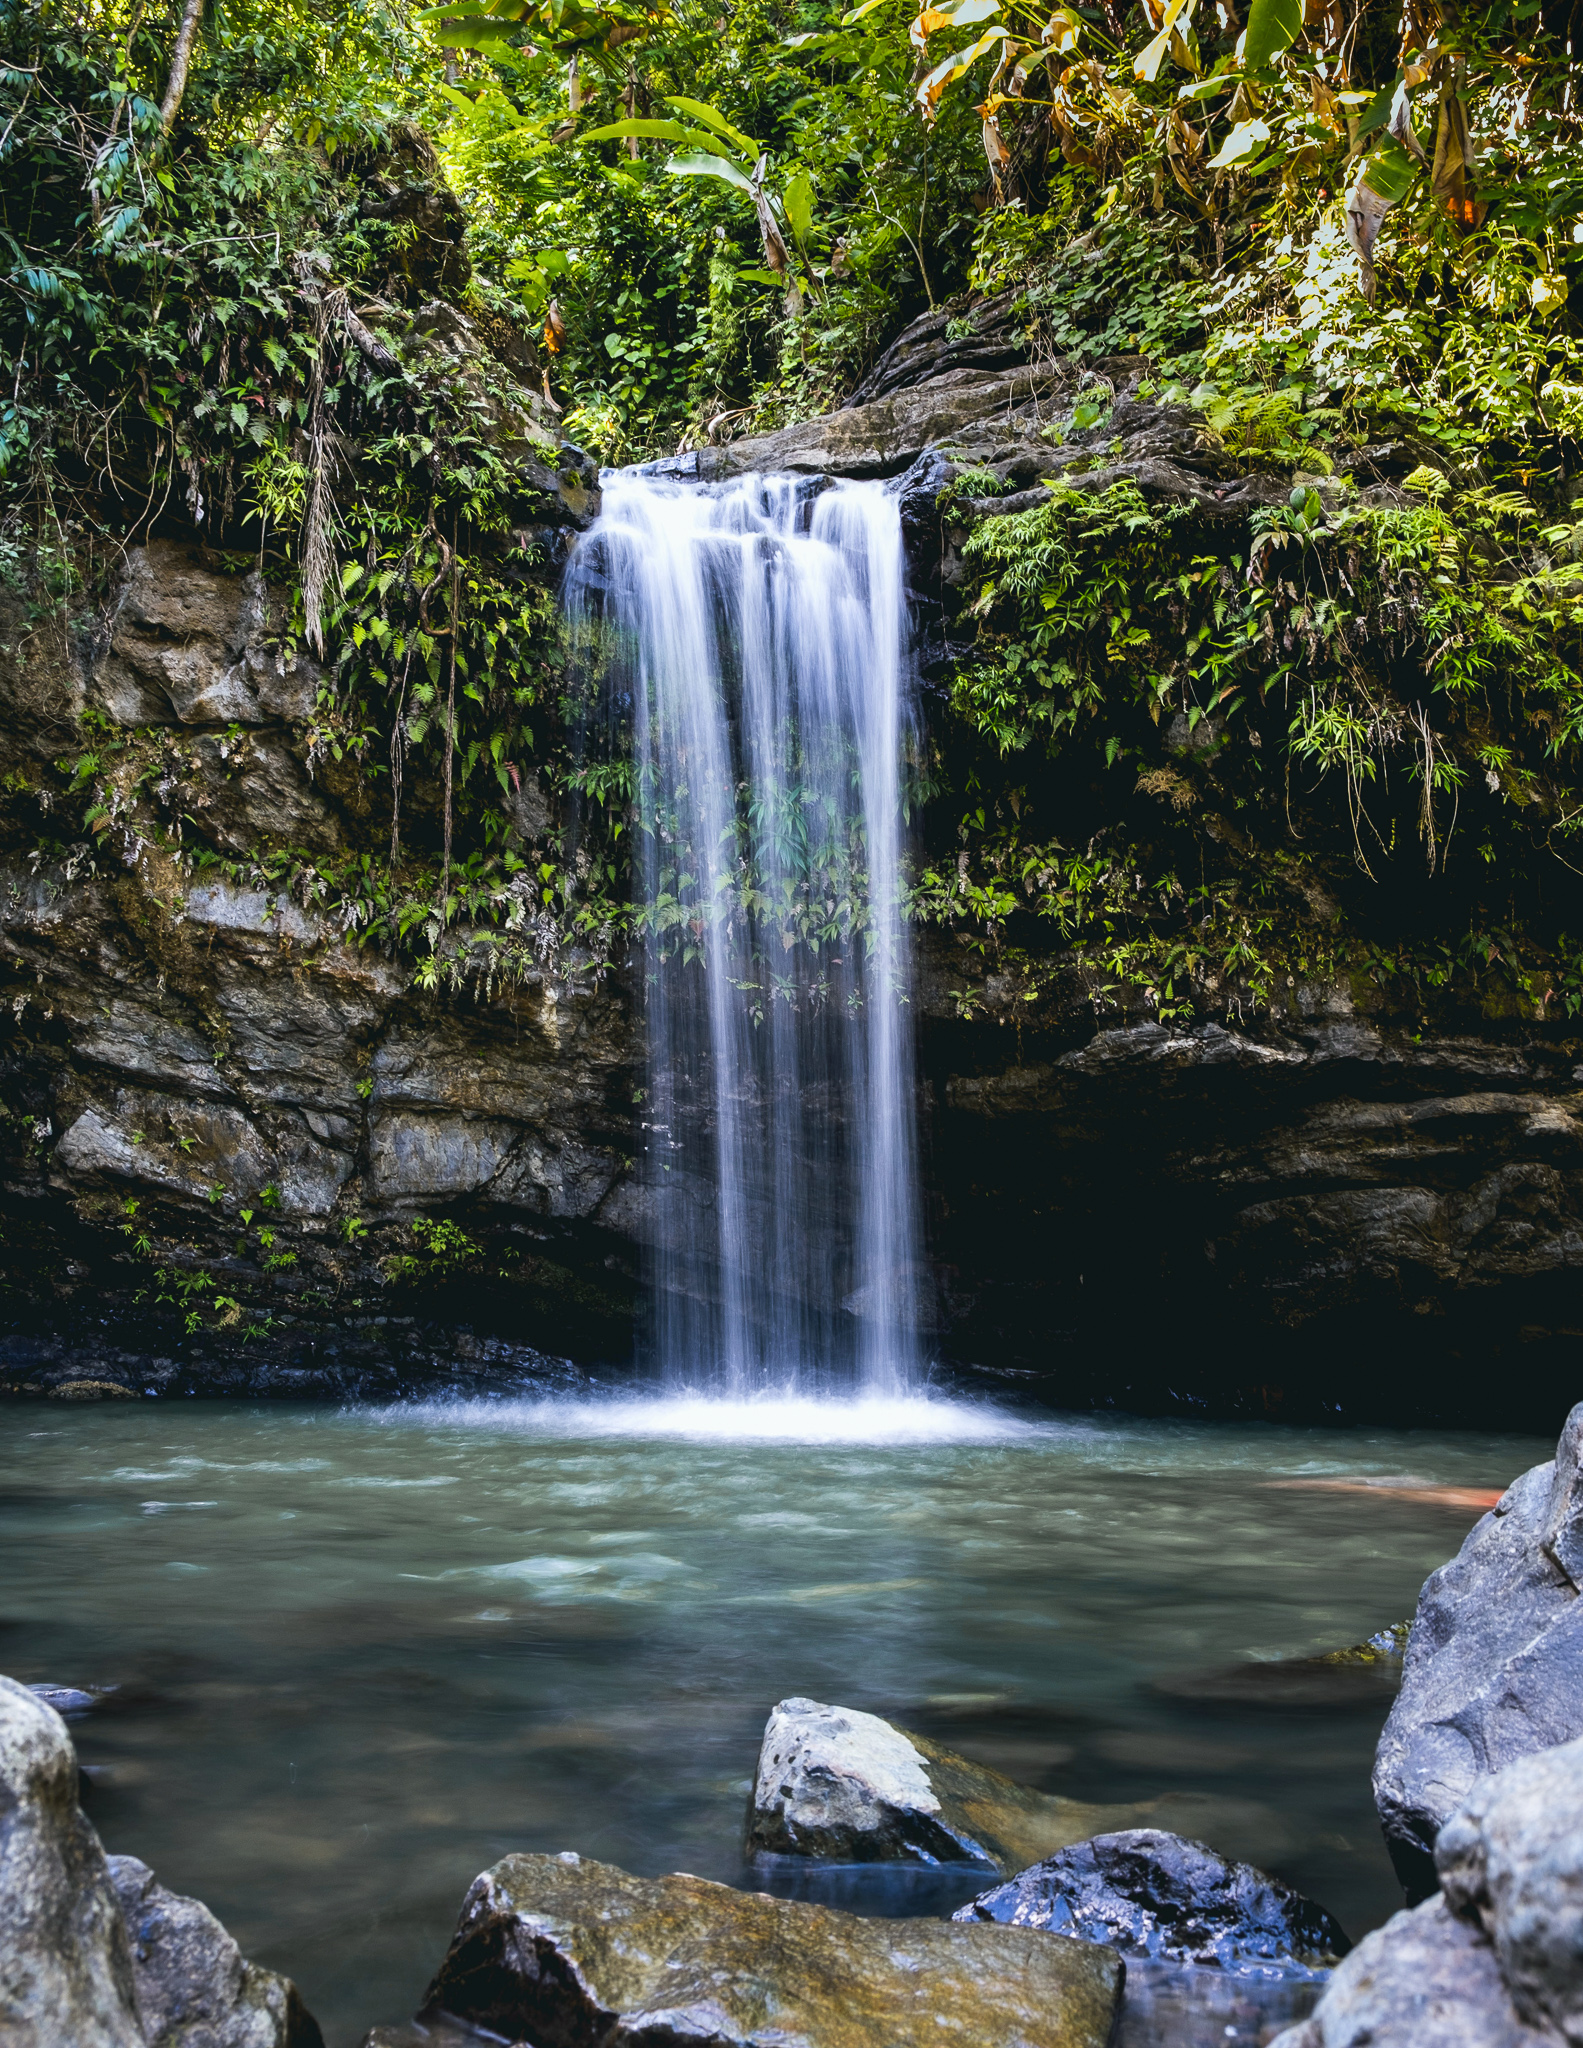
195	1988
65	1963
1494	1665
1150	1893
93	1952
1424	1980
569	1954
1511	1864
837	1783
1497	1960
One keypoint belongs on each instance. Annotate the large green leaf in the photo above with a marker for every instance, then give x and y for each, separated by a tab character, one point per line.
1273	26
656	131
705	165
718	122
798	202
1389	173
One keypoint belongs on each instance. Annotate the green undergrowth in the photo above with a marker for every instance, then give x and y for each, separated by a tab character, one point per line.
1346	747
1200	758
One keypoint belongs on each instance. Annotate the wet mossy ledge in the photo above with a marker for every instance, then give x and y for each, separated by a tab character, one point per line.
1252	1048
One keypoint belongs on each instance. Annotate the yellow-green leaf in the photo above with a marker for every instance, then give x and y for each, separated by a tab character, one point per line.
1241	143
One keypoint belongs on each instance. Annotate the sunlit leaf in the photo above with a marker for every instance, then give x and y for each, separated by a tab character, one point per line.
1240	144
798	202
719	124
1177	15
929	89
706	165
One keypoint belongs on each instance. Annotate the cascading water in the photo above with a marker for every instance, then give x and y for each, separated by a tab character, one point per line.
755	637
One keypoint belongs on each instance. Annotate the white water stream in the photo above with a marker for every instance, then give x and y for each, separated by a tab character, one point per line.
755	635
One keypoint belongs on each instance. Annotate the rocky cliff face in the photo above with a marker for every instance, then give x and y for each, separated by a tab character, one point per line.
1328	1210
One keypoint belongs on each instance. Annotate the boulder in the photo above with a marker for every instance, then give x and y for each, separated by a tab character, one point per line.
195	1988
1511	1864
1494	1665
570	1954
65	1962
1424	1980
1155	1894
836	1783
93	1952
1495	1961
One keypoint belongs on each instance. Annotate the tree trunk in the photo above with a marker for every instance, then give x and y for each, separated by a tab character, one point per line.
181	58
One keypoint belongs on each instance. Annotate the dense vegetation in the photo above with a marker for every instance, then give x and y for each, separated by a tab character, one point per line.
1197	757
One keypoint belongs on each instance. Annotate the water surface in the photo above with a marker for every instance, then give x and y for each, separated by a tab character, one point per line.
364	1654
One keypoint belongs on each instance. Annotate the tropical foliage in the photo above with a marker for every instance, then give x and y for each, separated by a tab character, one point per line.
1204	757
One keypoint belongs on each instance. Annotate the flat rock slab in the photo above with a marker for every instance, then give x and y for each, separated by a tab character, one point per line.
846	1786
572	1954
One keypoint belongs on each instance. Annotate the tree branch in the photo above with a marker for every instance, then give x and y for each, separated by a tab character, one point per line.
181	58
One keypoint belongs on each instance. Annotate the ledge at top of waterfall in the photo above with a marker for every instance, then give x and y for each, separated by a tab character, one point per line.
750	649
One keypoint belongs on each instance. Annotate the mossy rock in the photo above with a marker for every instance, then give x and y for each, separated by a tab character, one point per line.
553	1949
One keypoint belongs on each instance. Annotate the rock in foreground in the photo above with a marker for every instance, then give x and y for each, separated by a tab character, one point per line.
570	1954
195	1988
1511	1864
1423	1980
1494	1666
65	1964
1155	1894
93	1952
837	1783
1497	1960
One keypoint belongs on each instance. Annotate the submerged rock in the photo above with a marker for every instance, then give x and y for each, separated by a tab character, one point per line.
65	1963
1159	1895
195	1988
1494	1666
1179	2005
93	1952
837	1783
582	1955
73	1699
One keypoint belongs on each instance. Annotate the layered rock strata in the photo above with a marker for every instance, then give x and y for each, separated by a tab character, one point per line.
1327	1185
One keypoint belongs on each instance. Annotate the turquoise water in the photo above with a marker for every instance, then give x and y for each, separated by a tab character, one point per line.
361	1655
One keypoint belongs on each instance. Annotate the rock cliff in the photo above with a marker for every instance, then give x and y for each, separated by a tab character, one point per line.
1327	1207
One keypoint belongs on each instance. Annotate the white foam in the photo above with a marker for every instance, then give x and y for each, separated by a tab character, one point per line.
771	1417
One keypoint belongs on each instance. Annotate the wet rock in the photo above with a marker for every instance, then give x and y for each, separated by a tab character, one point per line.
65	1962
581	1955
94	1953
1495	1960
195	1989
1510	1861
73	1699
1423	1980
834	1782
1494	1665
1156	1894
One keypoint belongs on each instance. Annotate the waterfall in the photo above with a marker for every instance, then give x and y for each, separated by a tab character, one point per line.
753	639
